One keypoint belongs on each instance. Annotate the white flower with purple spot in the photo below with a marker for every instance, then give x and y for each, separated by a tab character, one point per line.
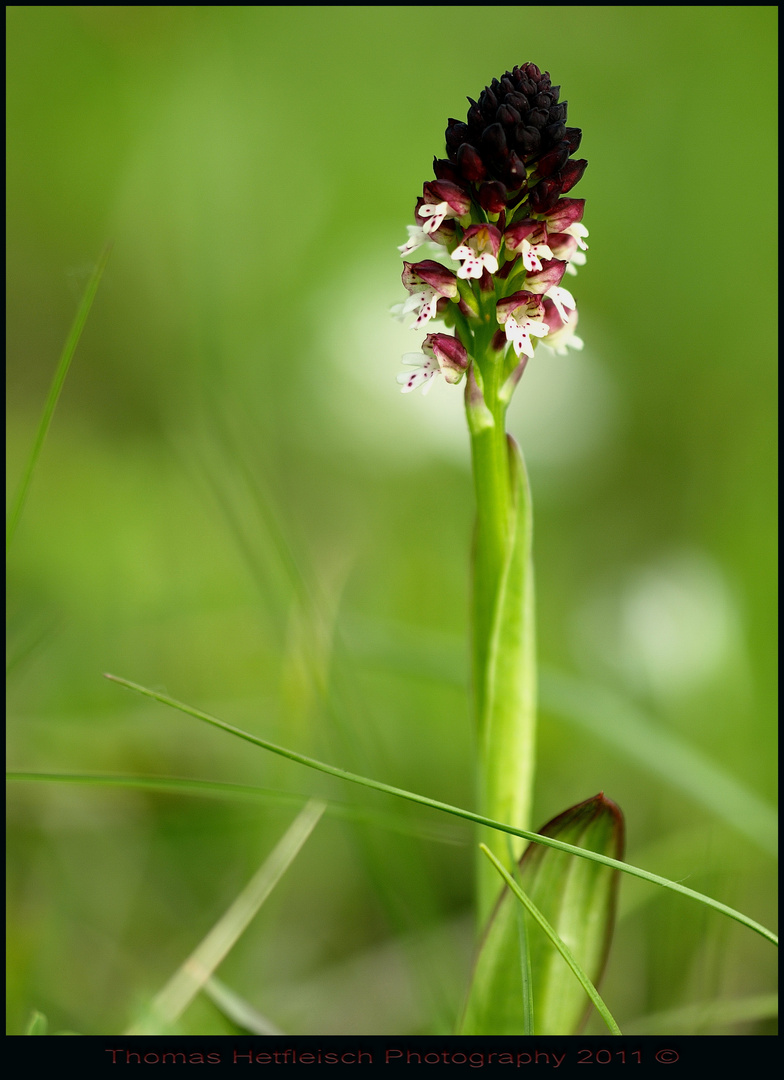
529	239
478	252
416	238
434	215
578	257
474	265
441	200
441	354
428	282
533	254
578	231
562	299
521	316
426	368
425	303
519	333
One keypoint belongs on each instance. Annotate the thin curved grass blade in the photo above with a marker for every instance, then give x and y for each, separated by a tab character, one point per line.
191	977
52	398
238	1010
37	1024
446	808
665	754
706	1016
219	789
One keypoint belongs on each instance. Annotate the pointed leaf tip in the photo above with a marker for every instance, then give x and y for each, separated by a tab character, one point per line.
578	899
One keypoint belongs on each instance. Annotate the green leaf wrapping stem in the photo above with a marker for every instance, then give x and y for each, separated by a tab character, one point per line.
503	631
573	901
560	946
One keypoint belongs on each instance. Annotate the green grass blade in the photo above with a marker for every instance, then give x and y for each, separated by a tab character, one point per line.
617	721
525	955
54	392
499	986
238	1010
562	948
706	1016
190	978
176	785
37	1024
662	753
468	815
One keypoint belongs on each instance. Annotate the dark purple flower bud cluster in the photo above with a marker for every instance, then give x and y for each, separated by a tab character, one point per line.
514	144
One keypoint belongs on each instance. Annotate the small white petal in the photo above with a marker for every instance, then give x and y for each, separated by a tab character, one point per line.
564	337
426	367
520	334
579	258
436	213
578	230
473	264
533	253
428	311
562	299
471	268
416	238
415	300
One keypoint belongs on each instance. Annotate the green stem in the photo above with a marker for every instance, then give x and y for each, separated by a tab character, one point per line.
503	618
492	491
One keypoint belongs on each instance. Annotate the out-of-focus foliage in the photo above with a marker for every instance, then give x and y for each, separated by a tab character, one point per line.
236	504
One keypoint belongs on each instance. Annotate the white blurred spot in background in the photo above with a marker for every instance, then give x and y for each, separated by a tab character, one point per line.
666	628
564	409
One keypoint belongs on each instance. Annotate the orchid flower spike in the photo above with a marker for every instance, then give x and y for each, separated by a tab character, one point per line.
498	207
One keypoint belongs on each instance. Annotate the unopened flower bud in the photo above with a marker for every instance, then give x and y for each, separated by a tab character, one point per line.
450	354
492	197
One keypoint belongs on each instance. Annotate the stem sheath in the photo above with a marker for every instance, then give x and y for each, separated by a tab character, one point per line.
503	632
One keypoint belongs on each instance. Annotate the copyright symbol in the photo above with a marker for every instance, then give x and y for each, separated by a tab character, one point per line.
667	1057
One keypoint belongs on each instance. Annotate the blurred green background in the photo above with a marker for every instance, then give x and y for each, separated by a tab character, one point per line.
236	505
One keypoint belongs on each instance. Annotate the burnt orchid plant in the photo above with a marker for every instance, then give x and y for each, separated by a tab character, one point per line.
498	231
503	234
